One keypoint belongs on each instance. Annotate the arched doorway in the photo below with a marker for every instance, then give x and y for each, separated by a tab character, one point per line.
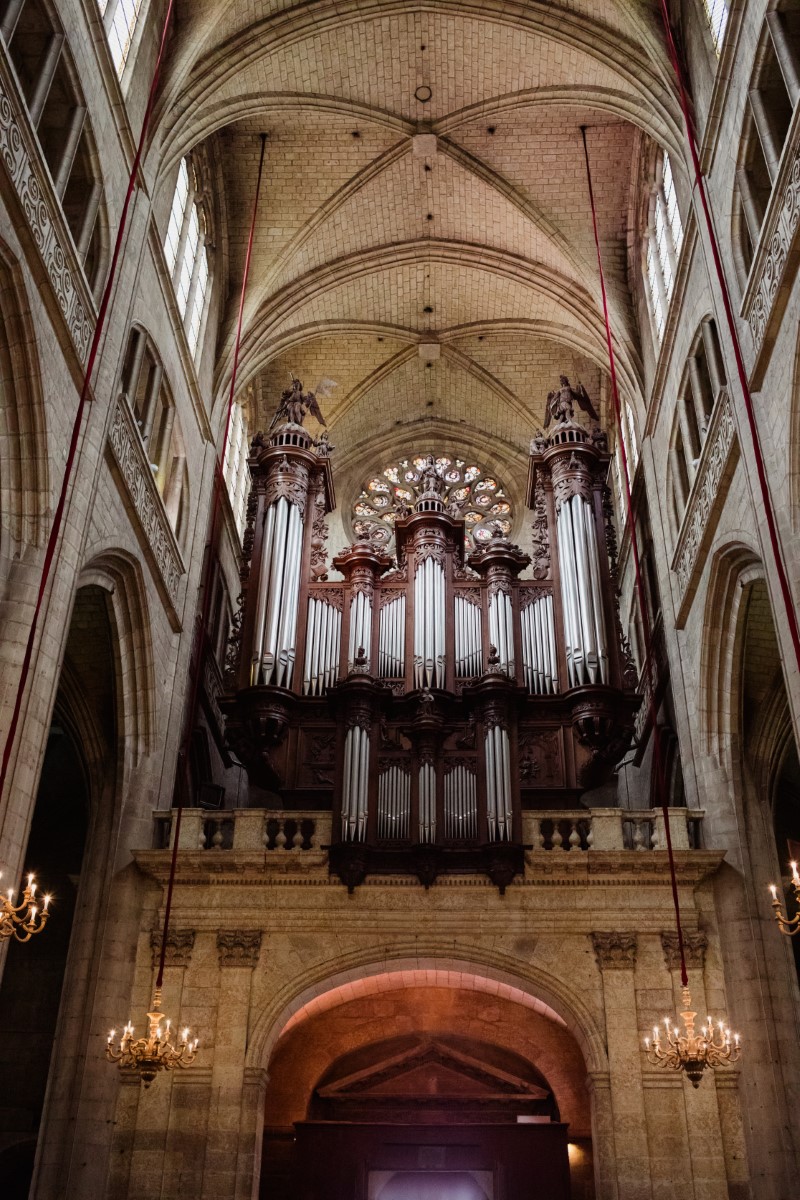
77	775
419	1083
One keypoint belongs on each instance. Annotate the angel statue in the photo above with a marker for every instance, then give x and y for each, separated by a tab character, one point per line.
296	404
561	403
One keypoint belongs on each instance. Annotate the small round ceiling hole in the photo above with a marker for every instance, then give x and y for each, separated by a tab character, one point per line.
428	308
423	93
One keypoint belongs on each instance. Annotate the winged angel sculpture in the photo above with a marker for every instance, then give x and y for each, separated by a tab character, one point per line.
296	404
561	403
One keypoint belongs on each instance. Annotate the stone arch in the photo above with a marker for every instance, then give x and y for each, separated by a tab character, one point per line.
24	476
121	577
733	568
491	968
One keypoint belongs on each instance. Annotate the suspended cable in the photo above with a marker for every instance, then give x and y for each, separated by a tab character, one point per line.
52	541
644	607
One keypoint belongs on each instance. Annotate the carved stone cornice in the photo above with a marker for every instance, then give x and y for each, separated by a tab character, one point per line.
694	947
238	947
717	462
137	476
180	943
24	164
615	951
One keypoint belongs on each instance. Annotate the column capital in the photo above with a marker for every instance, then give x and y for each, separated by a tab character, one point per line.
694	947
238	947
180	943
615	951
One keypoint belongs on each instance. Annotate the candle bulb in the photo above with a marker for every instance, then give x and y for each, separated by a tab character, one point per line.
46	902
795	875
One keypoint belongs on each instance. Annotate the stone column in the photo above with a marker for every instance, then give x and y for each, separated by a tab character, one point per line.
238	951
603	1144
616	958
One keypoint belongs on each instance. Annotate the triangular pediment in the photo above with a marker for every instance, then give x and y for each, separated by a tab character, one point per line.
434	1070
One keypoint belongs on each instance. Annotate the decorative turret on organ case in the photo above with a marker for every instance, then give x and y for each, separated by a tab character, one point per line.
430	694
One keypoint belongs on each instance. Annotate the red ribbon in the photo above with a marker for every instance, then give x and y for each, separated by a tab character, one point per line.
658	761
52	541
197	664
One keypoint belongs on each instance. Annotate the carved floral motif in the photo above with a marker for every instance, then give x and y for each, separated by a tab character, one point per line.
615	951
694	948
778	241
288	480
180	943
238	947
541	534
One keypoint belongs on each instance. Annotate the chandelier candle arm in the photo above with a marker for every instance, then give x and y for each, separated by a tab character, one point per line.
788	925
25	919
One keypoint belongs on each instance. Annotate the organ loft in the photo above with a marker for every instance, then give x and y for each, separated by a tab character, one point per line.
445	681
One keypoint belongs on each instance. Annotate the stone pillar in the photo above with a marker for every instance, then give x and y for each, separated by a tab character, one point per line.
603	1144
616	958
251	1133
238	951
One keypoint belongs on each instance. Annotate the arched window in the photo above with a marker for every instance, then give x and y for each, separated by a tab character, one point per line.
771	98
48	80
120	18
663	245
186	252
236	470
703	380
153	409
717	16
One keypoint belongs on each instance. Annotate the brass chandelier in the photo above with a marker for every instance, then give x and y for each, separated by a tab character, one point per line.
787	925
23	920
689	1050
155	1052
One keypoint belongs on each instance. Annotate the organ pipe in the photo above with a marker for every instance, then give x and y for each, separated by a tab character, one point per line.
460	804
501	629
468	657
392	639
429	624
394	803
355	785
499	807
584	623
360	627
278	595
427	802
323	640
539	647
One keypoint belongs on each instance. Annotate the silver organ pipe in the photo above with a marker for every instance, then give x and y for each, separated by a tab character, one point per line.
501	629
279	592
394	803
355	784
360	627
539	647
467	638
498	784
427	802
460	803
392	658
584	625
429	625
323	639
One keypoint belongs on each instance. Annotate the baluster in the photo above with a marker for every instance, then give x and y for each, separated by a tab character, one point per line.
297	836
589	835
280	836
216	840
201	841
574	837
638	836
654	844
313	837
538	836
265	833
557	838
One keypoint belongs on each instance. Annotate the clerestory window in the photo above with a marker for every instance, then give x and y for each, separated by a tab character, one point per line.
48	82
663	244
703	380
236	470
186	252
120	18
717	16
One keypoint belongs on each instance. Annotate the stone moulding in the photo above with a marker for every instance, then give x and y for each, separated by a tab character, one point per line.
717	462
770	272
22	159
128	453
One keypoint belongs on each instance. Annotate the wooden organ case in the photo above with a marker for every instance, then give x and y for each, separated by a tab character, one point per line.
430	697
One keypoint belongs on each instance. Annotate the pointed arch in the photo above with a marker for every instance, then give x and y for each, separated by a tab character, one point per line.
24	475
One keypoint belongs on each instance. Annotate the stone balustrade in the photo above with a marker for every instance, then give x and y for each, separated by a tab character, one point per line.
543	831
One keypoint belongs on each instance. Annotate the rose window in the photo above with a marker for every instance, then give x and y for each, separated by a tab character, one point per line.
470	493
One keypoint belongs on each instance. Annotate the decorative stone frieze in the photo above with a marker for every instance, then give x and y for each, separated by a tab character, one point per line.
717	462
614	951
238	947
694	947
775	241
21	156
180	943
126	447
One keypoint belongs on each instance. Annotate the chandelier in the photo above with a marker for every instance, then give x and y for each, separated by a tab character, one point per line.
690	1051
787	925
155	1052
25	919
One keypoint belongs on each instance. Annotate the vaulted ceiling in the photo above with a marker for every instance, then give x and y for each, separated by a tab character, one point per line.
373	240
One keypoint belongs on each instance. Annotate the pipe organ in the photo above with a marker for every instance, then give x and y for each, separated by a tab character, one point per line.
429	695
